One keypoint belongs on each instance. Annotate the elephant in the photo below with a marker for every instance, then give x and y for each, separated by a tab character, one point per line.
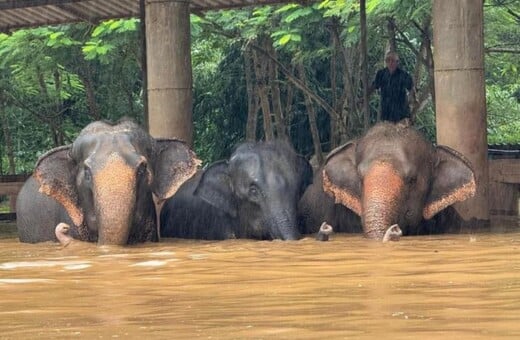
107	186
253	194
390	175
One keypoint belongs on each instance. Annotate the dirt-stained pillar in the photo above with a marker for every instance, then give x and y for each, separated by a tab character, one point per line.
169	75
460	91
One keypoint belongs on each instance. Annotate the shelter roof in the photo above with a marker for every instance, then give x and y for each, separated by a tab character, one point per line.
16	14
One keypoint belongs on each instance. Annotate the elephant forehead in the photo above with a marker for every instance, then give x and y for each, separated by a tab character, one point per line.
404	159
277	180
114	177
382	177
248	165
102	144
266	178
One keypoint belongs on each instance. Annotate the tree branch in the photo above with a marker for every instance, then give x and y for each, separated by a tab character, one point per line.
297	82
501	50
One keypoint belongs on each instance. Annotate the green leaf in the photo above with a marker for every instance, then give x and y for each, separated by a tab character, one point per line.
279	33
296	37
98	31
56	35
114	25
89	48
299	13
130	25
371	5
286	8
324	4
284	39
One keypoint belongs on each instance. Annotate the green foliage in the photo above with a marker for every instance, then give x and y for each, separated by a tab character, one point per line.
55	80
108	37
344	9
97	49
301	32
502	71
46	74
293	23
504	116
220	108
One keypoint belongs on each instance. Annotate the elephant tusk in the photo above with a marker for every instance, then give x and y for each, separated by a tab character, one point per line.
62	234
324	232
393	233
158	203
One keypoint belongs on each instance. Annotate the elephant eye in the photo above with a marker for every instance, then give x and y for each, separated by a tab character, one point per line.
254	191
411	179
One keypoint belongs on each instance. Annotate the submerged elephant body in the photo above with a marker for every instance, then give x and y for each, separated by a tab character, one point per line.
103	186
391	175
254	194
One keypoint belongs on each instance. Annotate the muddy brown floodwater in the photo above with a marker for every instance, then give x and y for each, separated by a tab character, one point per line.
427	287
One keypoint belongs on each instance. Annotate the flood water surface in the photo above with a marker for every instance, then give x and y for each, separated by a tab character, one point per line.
427	287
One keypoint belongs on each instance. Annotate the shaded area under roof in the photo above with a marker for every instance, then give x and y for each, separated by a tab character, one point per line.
15	14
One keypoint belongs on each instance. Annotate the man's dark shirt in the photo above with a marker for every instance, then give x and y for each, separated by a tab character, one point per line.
394	104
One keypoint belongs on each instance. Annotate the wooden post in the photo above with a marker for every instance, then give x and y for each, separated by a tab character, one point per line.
169	77
461	117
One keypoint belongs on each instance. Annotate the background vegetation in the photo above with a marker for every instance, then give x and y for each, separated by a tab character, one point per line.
275	71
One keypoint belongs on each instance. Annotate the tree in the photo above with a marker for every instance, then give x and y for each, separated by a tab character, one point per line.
287	71
502	70
53	83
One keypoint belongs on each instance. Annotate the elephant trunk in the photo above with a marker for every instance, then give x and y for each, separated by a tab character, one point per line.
115	222
115	197
382	188
283	225
288	231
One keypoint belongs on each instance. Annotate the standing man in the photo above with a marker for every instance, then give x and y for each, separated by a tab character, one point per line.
393	84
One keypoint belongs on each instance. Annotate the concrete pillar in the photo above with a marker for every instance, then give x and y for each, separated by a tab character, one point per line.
461	117
169	78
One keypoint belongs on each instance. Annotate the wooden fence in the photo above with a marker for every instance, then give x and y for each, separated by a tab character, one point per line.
10	185
504	187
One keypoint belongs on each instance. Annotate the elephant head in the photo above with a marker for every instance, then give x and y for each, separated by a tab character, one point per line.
259	187
105	180
393	175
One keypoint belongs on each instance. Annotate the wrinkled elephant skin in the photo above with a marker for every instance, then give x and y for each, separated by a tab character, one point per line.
391	175
253	194
103	186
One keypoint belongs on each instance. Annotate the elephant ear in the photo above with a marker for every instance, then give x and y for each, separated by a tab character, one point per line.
453	181
55	173
215	188
174	163
341	179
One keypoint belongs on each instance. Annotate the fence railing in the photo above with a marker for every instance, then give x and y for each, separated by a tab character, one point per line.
10	185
